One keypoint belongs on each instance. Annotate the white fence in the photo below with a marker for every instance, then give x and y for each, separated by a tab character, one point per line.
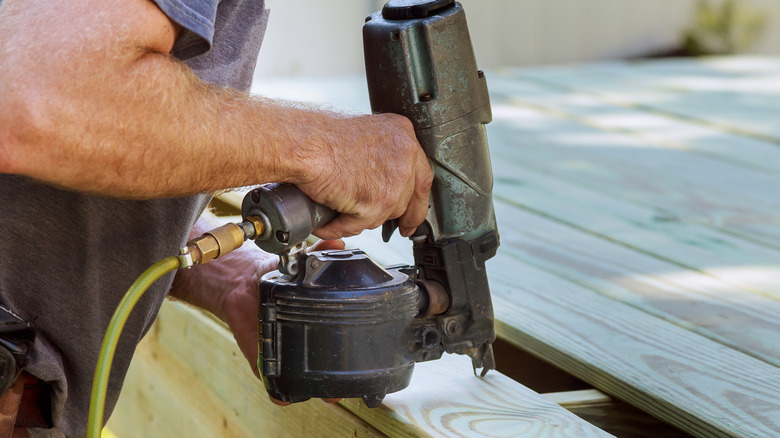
315	37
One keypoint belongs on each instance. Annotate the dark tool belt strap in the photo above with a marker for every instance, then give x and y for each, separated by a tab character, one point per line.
26	405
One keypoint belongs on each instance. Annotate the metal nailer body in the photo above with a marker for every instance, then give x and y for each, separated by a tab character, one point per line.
420	64
335	323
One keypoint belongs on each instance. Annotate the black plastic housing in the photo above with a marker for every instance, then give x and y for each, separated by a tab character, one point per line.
339	329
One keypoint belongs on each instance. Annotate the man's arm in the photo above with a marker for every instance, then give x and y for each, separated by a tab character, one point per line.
92	101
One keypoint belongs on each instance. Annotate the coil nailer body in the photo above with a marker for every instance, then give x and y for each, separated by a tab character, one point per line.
335	324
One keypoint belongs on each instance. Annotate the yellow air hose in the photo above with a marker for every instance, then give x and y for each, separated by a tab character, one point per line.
211	245
111	338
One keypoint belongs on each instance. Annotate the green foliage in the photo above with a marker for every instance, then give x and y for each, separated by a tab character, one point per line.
723	27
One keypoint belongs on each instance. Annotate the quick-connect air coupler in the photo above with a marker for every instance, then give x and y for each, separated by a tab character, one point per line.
222	240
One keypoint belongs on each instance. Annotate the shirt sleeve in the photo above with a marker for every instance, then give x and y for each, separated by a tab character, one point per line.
197	18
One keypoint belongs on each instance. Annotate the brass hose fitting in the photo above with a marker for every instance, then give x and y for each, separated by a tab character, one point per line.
222	240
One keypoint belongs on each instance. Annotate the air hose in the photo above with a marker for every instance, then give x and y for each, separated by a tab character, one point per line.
211	245
111	338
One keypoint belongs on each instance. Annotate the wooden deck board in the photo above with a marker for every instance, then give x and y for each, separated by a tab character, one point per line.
698	385
444	399
735	95
692	187
650	127
740	262
698	302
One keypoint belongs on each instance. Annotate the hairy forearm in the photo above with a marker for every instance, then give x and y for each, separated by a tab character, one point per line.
133	122
91	101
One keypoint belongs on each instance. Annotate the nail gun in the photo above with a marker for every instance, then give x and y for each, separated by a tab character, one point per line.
335	324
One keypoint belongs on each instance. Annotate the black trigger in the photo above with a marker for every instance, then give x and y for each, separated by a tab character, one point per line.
388	228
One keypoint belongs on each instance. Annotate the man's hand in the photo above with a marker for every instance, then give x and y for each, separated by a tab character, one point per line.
374	171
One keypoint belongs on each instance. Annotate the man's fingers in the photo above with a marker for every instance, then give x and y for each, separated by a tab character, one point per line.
418	205
344	225
322	245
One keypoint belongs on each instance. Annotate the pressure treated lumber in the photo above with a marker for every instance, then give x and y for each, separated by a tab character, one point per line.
695	384
715	309
656	130
742	263
188	379
578	399
445	399
612	415
718	179
689	186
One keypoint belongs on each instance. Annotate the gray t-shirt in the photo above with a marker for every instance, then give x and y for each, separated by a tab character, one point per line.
67	258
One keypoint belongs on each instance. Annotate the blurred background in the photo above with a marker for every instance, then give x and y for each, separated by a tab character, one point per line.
314	37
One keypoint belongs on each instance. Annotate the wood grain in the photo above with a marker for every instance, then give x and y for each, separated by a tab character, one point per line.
655	129
445	399
676	375
742	263
689	186
694	300
577	399
698	385
612	415
685	379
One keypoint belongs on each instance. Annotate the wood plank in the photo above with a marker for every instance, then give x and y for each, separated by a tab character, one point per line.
736	94
697	385
189	369
712	307
577	399
744	264
656	129
683	185
444	400
612	415
696	301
